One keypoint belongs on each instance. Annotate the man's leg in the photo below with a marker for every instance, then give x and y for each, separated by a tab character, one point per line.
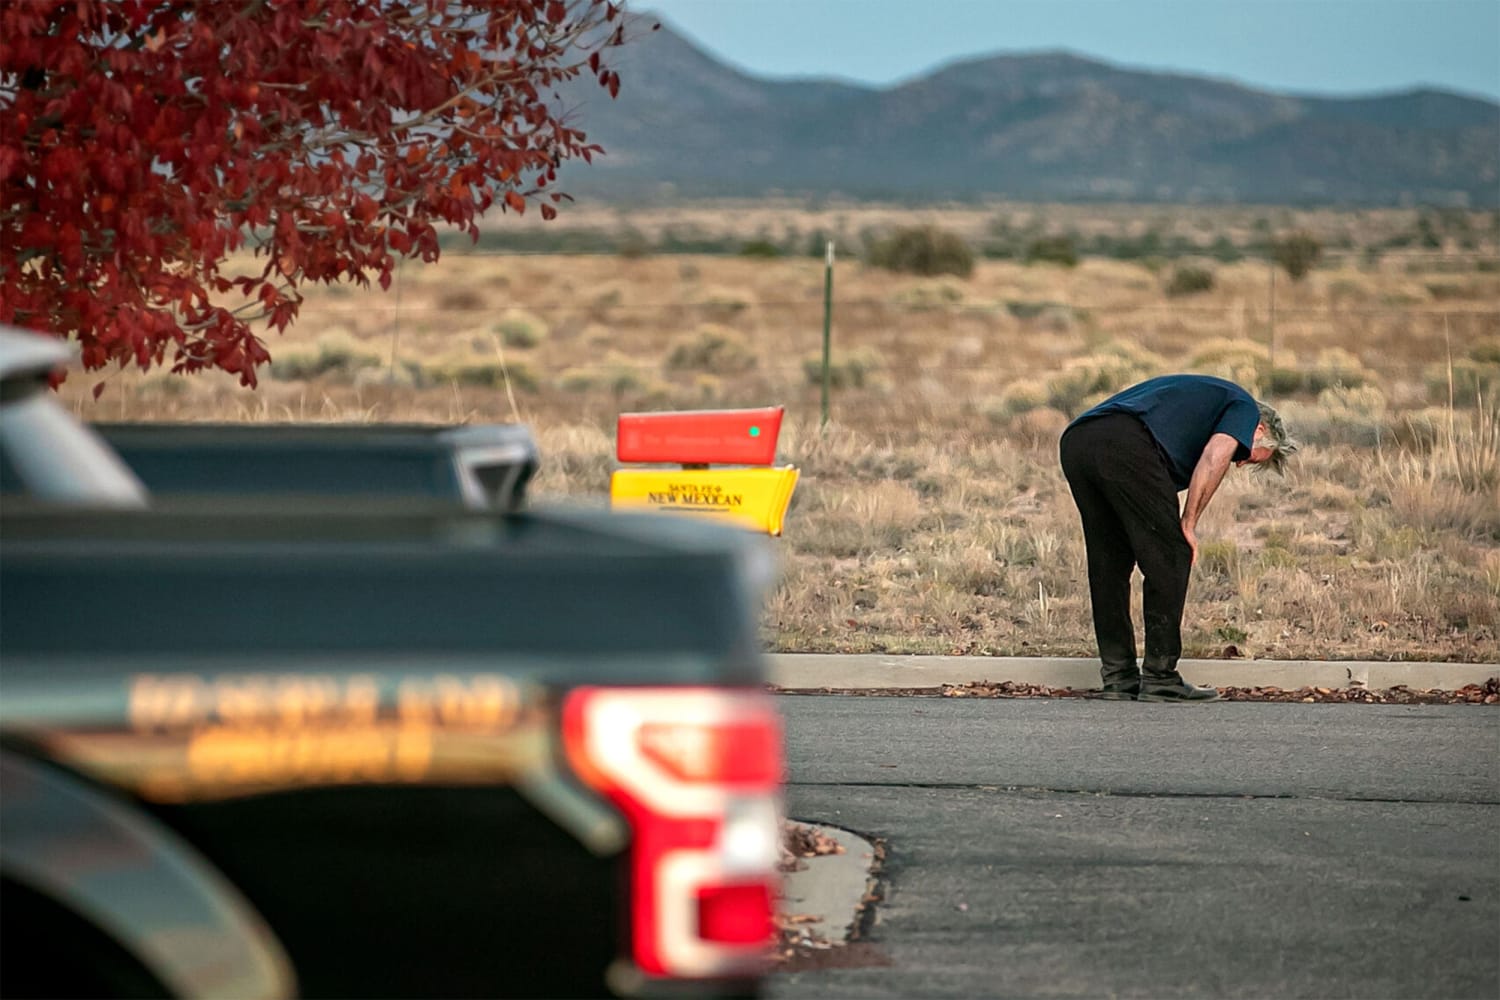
1142	494
1110	561
1166	567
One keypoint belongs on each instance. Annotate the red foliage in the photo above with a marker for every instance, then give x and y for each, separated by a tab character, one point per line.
145	140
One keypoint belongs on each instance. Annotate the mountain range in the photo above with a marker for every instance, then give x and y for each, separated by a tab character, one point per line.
1053	126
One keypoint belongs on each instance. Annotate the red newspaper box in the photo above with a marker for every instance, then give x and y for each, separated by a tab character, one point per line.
700	437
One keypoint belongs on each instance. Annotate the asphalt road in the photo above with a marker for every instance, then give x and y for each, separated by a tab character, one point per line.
1088	848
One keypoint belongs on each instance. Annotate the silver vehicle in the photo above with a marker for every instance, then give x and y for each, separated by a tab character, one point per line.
47	453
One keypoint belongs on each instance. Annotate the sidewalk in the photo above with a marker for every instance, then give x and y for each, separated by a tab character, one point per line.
876	670
828	890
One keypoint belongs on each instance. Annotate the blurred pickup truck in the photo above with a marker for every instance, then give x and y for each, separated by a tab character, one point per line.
258	747
484	466
481	465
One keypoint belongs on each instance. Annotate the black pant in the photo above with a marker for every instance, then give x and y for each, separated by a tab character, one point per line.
1130	517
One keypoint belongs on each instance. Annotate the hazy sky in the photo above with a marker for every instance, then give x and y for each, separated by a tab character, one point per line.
1302	46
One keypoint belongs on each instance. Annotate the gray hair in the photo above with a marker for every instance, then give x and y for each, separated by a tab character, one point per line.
1282	444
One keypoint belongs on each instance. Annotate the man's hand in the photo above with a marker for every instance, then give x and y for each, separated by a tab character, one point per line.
1192	540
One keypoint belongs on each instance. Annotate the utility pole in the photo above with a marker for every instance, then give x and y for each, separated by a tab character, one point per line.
827	325
1271	381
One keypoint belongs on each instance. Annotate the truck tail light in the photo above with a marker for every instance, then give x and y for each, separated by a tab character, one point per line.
735	914
698	774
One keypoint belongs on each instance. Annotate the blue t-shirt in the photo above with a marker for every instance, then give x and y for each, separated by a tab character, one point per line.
1182	412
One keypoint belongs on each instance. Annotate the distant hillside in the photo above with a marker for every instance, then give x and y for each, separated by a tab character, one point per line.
1043	126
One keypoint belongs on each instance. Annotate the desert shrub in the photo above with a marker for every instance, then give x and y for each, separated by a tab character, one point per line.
695	239
1282	381
1039	427
1420	430
337	353
519	328
632	244
403	376
1018	397
1241	361
461	299
1296	254
1022	309
1333	367
882	514
714	349
1053	316
1140	362
1452	486
607	296
1354	416
724	303
591	377
162	383
925	250
760	248
847	369
615	374
295	362
1486	351
1243	372
1218	556
341	351
1348	289
1189	280
1441	290
1472	380
484	372
1366	401
1083	381
705	390
1221	349
994	411
1060	319
1052	250
1277	557
490	373
928	295
408	372
597	336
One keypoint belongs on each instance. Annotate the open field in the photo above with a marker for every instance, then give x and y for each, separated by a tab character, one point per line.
932	516
996	229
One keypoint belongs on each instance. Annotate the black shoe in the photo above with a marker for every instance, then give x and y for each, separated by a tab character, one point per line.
1123	691
1173	688
1119	681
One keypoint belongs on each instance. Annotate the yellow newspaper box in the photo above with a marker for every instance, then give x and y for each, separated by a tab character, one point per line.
755	498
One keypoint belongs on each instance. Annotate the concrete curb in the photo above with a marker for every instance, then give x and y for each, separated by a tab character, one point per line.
832	886
874	671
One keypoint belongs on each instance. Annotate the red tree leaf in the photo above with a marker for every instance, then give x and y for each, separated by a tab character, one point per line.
144	142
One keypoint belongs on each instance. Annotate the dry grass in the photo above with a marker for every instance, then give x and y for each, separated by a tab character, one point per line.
932	516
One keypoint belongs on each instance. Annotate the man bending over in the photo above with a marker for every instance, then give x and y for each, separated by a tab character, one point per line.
1125	461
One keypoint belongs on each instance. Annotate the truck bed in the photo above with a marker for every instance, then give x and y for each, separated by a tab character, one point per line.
601	598
481	465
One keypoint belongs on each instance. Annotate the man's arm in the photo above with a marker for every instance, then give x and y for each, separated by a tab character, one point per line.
1207	475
